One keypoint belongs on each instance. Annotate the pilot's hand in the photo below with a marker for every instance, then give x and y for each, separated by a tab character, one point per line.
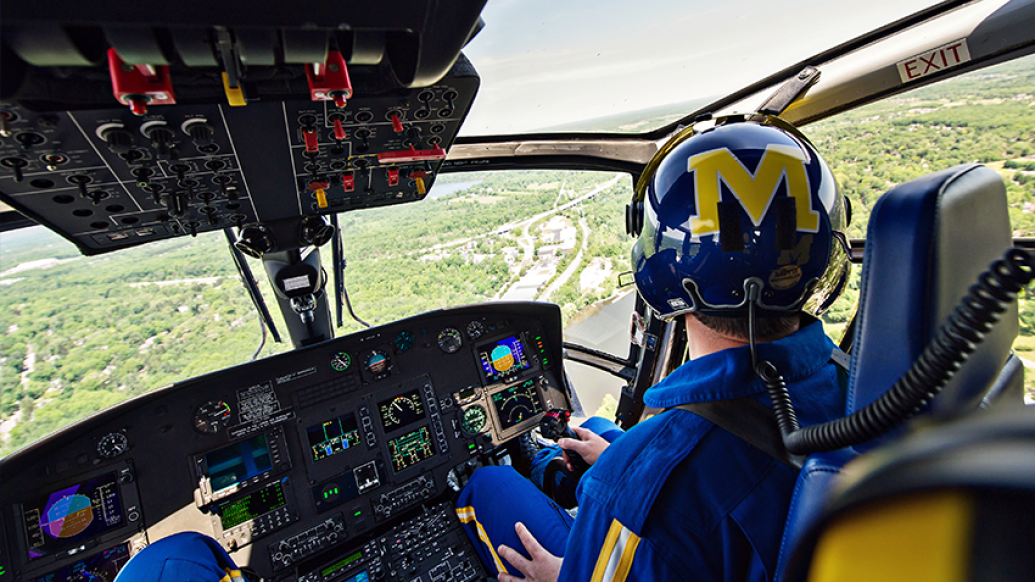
543	567
589	446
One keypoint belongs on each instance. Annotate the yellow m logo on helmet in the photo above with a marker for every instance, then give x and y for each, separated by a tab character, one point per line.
755	192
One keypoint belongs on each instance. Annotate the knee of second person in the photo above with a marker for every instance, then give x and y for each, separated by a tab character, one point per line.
486	476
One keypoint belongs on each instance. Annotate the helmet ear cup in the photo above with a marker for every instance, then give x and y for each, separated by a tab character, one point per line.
634	217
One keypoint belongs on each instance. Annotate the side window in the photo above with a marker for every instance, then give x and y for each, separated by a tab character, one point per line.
983	117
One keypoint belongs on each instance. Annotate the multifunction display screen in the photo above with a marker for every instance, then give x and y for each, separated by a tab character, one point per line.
403	410
341	564
334	436
410	449
70	516
503	359
251	506
517	404
98	567
239	462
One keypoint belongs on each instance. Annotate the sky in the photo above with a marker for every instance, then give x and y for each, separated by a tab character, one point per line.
549	62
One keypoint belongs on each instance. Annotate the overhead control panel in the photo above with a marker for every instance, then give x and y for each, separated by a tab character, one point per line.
328	463
109	179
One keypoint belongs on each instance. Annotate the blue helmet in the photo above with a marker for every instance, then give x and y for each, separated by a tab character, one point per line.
741	200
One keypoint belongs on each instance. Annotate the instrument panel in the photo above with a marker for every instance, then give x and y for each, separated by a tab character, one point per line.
106	179
309	465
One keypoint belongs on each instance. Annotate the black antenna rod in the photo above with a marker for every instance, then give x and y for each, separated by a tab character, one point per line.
337	253
249	284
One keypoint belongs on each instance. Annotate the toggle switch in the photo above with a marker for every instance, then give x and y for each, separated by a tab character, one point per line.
312	140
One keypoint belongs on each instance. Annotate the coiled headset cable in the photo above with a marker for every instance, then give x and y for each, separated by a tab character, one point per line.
976	315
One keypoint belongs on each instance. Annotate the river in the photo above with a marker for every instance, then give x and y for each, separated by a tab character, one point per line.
605	327
438	190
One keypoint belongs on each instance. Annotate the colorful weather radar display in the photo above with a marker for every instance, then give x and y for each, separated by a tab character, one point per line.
67	517
334	436
517	404
503	358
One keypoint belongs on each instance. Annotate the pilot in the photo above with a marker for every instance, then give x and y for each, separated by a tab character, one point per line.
183	557
743	213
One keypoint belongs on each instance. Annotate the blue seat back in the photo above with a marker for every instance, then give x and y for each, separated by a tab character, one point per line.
926	243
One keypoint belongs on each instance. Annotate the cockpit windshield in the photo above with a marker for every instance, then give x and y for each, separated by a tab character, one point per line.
620	67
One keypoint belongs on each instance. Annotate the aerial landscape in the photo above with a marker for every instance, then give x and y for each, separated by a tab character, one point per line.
76	338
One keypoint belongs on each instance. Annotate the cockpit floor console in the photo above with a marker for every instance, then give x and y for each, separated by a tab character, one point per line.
328	463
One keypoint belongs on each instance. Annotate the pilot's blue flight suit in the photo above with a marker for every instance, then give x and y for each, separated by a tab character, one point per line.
183	557
674	498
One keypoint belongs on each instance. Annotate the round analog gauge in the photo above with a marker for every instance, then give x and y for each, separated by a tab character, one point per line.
450	340
341	361
112	445
475	330
377	363
404	341
211	417
473	419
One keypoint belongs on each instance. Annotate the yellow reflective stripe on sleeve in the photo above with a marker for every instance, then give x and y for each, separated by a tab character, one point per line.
466	515
616	556
232	576
625	564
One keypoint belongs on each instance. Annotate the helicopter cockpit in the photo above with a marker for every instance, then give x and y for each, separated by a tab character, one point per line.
333	462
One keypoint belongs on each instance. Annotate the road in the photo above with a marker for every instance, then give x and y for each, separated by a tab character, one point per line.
574	266
528	285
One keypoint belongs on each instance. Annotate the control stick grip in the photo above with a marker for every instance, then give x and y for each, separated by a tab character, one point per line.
554	426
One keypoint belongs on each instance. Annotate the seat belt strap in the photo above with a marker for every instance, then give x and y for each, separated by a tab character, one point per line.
750	421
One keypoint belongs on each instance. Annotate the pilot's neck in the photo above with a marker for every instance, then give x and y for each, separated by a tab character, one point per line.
702	340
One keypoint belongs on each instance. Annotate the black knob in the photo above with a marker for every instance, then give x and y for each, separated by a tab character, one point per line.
201	134
119	140
161	141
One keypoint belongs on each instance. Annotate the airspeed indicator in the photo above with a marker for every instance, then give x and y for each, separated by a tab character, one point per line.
211	417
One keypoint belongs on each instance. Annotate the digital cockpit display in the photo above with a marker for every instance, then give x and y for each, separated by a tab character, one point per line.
238	462
410	449
65	518
503	359
98	567
517	404
332	437
403	410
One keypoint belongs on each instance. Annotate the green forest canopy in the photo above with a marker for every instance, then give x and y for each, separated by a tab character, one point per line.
85	333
